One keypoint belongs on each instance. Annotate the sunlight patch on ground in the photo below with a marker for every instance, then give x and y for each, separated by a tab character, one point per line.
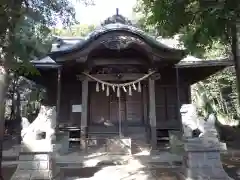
133	170
143	153
91	162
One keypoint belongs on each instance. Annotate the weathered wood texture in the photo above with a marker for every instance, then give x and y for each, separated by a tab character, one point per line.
59	87
134	109
49	80
166	104
84	114
104	109
71	93
113	77
152	111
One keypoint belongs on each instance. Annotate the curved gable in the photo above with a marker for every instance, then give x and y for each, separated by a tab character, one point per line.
120	36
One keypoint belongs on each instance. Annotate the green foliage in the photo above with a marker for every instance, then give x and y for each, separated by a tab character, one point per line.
201	23
25	28
218	93
74	31
206	29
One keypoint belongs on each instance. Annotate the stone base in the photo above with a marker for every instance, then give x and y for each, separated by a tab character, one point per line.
203	161
32	175
119	146
35	165
207	174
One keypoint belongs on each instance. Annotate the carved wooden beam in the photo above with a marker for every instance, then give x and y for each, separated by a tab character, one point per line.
113	77
119	61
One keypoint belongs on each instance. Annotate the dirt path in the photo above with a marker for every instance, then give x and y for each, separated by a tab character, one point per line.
121	173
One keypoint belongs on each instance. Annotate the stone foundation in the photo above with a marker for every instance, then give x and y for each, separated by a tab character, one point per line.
36	166
202	160
36	154
202	154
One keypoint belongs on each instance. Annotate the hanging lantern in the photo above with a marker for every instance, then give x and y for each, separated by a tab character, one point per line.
124	89
130	90
97	87
107	91
134	87
103	87
139	87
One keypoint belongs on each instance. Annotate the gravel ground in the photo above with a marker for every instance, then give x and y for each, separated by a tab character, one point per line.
231	164
230	160
116	173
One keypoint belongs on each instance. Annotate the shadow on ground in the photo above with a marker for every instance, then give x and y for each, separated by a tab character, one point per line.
231	164
86	172
231	159
8	155
7	171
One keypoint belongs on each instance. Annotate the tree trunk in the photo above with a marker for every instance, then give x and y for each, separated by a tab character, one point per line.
13	107
9	22
236	54
3	90
18	117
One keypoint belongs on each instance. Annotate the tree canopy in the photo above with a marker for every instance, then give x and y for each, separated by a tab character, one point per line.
25	34
207	29
25	26
200	23
77	30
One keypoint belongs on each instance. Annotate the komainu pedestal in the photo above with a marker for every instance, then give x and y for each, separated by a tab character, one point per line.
202	154
37	156
202	159
36	166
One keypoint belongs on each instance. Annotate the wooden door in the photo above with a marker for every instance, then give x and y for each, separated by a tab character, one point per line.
134	109
99	107
115	104
106	108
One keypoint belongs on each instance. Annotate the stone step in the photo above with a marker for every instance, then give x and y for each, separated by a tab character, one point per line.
33	175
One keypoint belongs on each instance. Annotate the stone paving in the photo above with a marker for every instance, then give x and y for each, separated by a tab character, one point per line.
231	164
134	170
202	161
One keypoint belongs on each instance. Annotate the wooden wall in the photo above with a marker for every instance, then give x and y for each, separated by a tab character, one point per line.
106	108
48	79
167	109
71	91
133	108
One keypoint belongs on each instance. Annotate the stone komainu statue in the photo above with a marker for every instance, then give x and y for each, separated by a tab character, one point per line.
193	126
45	123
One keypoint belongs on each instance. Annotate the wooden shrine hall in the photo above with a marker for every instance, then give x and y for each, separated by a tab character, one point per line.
120	81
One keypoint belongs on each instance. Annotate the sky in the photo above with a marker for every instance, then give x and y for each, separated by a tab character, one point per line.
103	9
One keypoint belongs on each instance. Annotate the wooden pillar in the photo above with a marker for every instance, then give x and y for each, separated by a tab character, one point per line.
84	112
179	100
58	100
152	112
59	78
